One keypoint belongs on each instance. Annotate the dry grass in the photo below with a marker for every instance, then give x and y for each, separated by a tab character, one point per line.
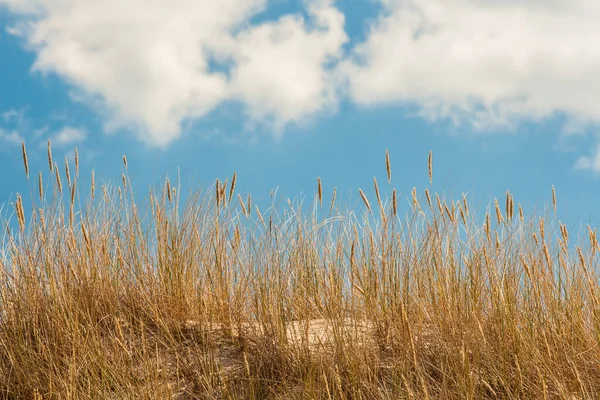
104	299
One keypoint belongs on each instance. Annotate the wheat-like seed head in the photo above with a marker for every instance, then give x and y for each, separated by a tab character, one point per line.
487	224
260	217
535	239
57	174
429	164
521	214
333	199
169	196
362	194
20	213
554	199
394	203
25	163
86	237
542	233
439	204
428	197
76	162
125	161
50	164
462	215
320	191
41	186
593	240
449	213
124	179
242	205
249	205
388	166
223	187
547	256
377	193
73	194
497	242
93	185
71	206
218	192
67	171
415	200
232	188
581	259
499	217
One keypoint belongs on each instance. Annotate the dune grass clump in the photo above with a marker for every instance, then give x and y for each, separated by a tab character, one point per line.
212	299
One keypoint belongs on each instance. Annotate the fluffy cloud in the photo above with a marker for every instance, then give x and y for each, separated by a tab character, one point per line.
150	64
68	136
10	137
590	162
483	61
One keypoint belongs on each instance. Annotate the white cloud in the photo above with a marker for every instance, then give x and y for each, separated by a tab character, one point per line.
590	163
11	114
10	137
279	66
68	136
483	61
147	63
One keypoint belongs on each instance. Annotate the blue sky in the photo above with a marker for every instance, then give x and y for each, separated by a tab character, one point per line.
284	92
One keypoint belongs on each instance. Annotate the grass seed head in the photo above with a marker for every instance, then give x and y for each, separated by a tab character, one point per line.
388	166
333	199
25	163
320	191
232	188
76	162
242	205
365	200
429	164
50	164
67	171
41	186
58	181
